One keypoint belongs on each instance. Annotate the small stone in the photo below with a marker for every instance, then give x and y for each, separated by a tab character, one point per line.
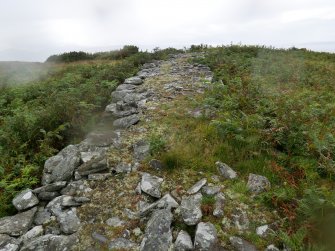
241	245
100	238
8	243
151	185
98	176
24	200
263	231
126	122
205	237
115	222
122	244
32	233
219	205
191	209
210	190
183	242
133	81
258	184
226	171
47	196
93	166
196	188
69	221
87	156
156	164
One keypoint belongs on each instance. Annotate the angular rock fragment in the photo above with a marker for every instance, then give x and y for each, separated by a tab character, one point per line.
47	196
191	209
126	122
219	205
32	233
258	184
183	242
93	166
98	176
69	221
115	222
151	185
197	186
141	150
210	190
24	200
122	244
54	187
133	81
226	171
241	245
76	188
205	237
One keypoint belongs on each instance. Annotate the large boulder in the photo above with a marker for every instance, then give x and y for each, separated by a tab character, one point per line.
126	122
158	235
18	224
225	170
205	237
24	200
151	185
191	209
61	166
51	242
258	184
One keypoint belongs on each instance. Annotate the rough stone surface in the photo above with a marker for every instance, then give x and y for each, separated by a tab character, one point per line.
69	221
183	242
32	233
8	243
158	235
24	200
99	176
272	248
151	185
123	167
61	166
47	196
100	238
133	81
226	171
197	186
219	205
210	190
93	166
241	245
191	209
126	122
141	150
18	224
115	222
205	237
51	242
156	164
122	244
167	201
42	216
54	187
76	188
240	219
258	184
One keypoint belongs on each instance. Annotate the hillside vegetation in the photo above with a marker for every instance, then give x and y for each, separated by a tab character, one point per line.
269	112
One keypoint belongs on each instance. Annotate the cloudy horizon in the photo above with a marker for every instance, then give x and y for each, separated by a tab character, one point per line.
32	30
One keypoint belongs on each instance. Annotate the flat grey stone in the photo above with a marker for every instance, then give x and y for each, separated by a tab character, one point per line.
76	188
68	221
100	238
158	235
54	187
258	184
219	205
24	200
47	196
99	176
156	164
191	209
18	224
123	167
93	166
151	185
51	242
133	81
32	233
183	242
123	87
197	186
210	190
205	237
226	171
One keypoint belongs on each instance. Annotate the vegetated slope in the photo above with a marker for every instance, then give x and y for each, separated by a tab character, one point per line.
270	112
39	118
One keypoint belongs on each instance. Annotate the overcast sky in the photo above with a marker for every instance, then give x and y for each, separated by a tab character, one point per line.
32	30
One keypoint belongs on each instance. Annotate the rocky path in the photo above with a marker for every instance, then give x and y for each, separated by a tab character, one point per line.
95	195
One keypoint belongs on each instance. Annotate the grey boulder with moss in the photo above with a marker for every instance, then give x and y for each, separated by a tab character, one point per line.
24	200
191	209
258	183
205	237
61	166
226	171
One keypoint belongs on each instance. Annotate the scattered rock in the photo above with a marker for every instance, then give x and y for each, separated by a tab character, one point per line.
241	245
76	188
133	81
196	188
183	242
258	184
156	164
122	244
115	222
219	205
24	200
226	171
205	237
151	185
126	122
18	224
210	190
191	209
98	176
141	150
69	221
61	166
158	235
47	196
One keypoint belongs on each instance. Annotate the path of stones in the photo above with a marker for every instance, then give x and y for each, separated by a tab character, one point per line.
93	197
